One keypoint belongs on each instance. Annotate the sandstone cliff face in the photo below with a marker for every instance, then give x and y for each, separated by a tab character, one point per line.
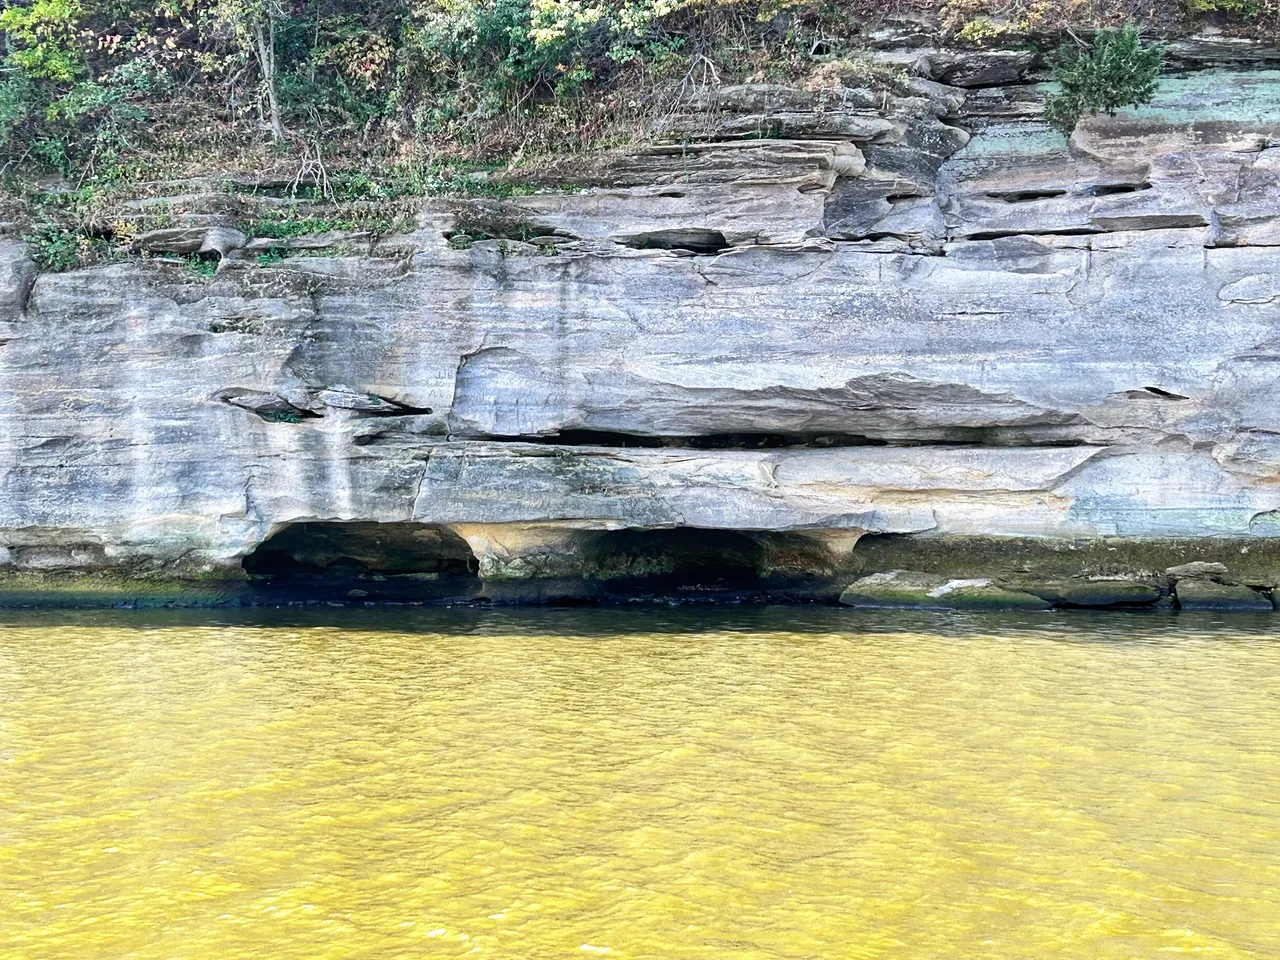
803	317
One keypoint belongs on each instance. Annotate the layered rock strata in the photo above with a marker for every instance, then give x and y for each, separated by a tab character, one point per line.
803	318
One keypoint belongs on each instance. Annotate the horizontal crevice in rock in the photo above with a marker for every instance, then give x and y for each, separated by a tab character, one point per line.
1025	196
1147	392
279	186
1006	234
268	406
715	441
1189	221
1114	189
397	409
690	239
377	437
367	404
893	436
1050	437
293	415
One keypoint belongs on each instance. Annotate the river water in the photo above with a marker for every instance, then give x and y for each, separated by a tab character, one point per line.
638	783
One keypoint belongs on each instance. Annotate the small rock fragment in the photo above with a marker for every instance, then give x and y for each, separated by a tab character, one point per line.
350	400
222	240
1196	568
172	240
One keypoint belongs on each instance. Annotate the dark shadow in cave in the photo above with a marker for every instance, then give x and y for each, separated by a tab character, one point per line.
358	561
682	560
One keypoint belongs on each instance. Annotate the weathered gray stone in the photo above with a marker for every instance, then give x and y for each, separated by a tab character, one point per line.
755	191
310	241
798	163
1095	593
1004	339
1197	568
17	274
1207	595
893	589
172	240
769	111
222	240
912	590
700	218
979	68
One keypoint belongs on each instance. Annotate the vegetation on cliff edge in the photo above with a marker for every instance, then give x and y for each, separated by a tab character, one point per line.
370	102
1118	70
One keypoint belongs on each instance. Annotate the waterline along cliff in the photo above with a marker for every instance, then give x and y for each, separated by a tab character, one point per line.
803	336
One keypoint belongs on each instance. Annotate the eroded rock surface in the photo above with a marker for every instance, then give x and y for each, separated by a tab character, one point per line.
818	315
906	589
1205	595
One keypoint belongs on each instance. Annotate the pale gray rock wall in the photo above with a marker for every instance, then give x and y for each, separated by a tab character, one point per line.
888	316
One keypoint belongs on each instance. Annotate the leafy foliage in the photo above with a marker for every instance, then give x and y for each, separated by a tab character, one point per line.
286	225
81	77
204	267
397	98
45	32
56	248
1119	70
1246	8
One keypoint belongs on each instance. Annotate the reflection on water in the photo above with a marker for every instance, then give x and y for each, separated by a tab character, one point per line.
767	783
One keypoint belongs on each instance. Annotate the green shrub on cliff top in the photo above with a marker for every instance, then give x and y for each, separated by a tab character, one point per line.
110	90
56	248
1246	8
1118	71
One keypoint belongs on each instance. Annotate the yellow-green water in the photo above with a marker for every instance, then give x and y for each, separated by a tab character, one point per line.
640	784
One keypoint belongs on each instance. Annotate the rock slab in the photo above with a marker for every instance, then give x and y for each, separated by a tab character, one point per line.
906	589
1206	595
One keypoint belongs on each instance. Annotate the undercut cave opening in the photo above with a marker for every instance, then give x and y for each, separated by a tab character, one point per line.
691	563
363	560
680	560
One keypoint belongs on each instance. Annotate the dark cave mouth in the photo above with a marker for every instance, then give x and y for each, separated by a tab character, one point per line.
363	559
369	562
687	562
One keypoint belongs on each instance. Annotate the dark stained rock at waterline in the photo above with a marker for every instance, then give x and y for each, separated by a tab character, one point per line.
1096	593
1208	595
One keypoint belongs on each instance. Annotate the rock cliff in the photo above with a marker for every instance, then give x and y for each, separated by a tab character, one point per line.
833	330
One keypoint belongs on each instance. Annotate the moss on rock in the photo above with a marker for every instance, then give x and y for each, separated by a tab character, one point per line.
100	589
1025	560
1095	593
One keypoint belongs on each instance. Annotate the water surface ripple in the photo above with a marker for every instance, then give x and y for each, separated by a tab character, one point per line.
638	783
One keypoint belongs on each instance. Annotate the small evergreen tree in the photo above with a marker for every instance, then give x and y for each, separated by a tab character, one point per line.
1118	71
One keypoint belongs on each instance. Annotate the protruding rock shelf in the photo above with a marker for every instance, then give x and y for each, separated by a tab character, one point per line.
905	589
800	339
